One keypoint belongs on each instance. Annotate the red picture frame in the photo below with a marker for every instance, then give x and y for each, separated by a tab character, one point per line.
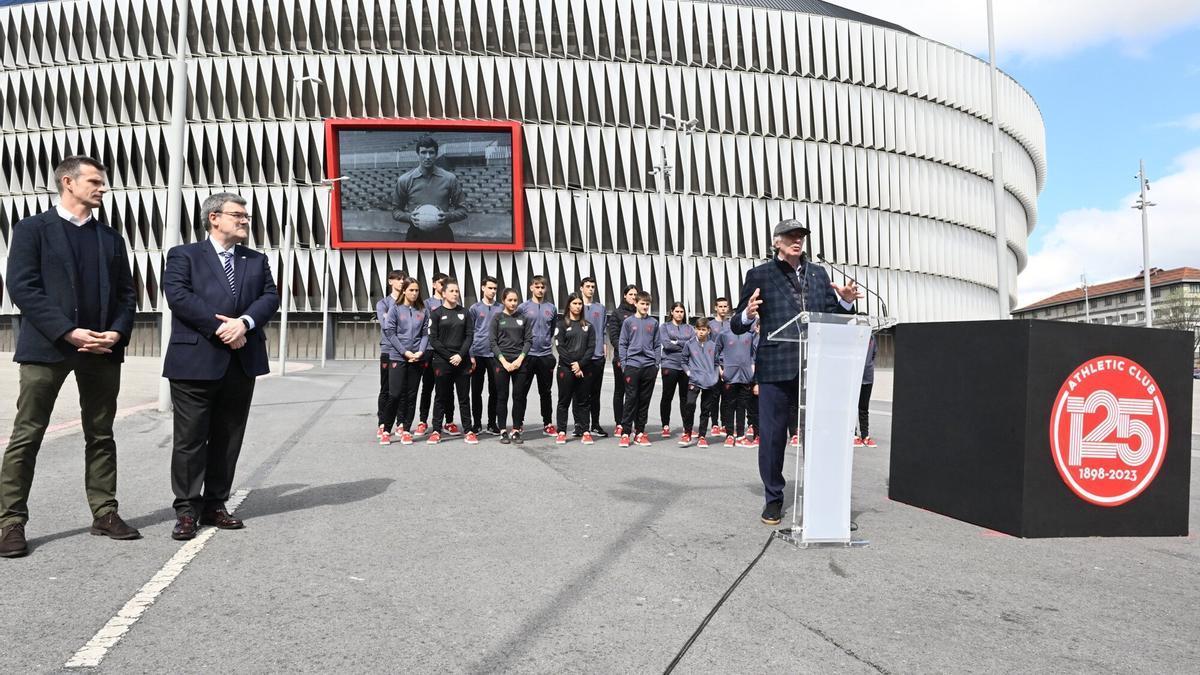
333	170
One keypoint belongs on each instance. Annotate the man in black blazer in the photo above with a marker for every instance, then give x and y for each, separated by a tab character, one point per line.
772	294
221	296
68	273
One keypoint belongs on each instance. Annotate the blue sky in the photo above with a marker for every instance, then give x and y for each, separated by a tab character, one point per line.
1106	107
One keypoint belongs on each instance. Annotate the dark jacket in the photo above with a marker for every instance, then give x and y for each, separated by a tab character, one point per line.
576	341
451	332
776	360
196	289
41	282
512	335
615	320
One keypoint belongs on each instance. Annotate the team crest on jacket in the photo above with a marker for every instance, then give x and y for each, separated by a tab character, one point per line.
520	322
461	316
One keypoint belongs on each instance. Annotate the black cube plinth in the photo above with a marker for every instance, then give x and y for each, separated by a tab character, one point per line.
973	405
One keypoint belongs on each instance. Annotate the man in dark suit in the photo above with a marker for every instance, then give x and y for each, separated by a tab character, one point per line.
221	296
772	294
68	273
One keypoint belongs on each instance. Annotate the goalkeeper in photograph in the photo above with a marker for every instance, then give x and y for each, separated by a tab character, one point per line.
428	198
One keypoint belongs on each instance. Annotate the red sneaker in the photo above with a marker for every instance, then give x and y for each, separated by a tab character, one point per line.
729	441
858	442
471	438
550	430
421	429
380	432
686	438
643	440
796	440
870	442
718	430
434	438
624	442
452	429
618	431
384	437
666	432
561	438
587	438
702	443
406	438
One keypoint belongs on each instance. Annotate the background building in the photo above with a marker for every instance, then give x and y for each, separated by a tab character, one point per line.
1174	300
877	137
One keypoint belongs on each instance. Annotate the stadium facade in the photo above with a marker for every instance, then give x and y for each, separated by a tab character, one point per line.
879	138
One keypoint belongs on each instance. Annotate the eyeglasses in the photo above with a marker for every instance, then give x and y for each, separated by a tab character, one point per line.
240	215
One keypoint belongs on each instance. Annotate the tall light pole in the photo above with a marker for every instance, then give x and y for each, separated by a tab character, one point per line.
1144	205
1087	307
177	145
663	171
687	129
997	178
327	183
286	253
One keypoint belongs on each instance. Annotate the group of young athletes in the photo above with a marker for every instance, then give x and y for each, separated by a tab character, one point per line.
438	351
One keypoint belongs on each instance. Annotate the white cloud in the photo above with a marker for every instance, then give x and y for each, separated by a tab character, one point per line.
1038	28
1189	122
1107	244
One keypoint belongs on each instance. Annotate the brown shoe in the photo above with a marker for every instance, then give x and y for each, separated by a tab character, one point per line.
222	520
185	528
110	525
12	541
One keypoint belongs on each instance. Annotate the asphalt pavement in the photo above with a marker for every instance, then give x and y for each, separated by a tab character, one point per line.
553	559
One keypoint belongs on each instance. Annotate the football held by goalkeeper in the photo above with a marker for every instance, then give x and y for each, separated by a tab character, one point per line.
429	198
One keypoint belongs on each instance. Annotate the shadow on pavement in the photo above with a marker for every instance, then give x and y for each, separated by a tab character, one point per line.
276	499
265	501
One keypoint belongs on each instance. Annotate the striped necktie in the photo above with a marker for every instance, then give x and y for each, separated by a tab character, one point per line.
228	256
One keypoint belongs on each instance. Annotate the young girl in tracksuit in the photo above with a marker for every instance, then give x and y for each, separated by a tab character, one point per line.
512	336
701	355
575	339
405	330
672	338
737	371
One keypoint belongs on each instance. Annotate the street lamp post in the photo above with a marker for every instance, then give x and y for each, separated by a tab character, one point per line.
663	171
1144	205
1087	307
997	178
286	253
328	183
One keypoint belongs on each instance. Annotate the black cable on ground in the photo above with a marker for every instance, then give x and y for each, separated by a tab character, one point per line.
704	624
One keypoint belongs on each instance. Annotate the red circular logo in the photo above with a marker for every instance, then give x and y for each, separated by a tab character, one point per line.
1108	430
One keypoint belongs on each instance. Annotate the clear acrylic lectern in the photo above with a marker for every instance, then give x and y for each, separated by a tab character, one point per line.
833	351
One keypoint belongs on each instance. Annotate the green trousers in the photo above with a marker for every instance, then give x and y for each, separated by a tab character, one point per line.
99	381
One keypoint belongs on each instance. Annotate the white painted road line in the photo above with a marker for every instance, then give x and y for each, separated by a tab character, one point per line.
90	655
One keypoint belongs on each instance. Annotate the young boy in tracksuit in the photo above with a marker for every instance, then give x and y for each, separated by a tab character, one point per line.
638	348
482	313
428	382
701	355
544	317
718	324
451	332
395	279
737	371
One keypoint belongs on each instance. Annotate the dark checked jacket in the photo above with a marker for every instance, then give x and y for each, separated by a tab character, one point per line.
781	290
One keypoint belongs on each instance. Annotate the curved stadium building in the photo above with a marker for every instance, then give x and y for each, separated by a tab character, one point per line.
877	137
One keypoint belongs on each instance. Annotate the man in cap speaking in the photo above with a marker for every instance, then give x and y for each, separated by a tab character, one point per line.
773	293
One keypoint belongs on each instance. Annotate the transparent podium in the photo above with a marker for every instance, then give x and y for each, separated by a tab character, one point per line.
832	353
